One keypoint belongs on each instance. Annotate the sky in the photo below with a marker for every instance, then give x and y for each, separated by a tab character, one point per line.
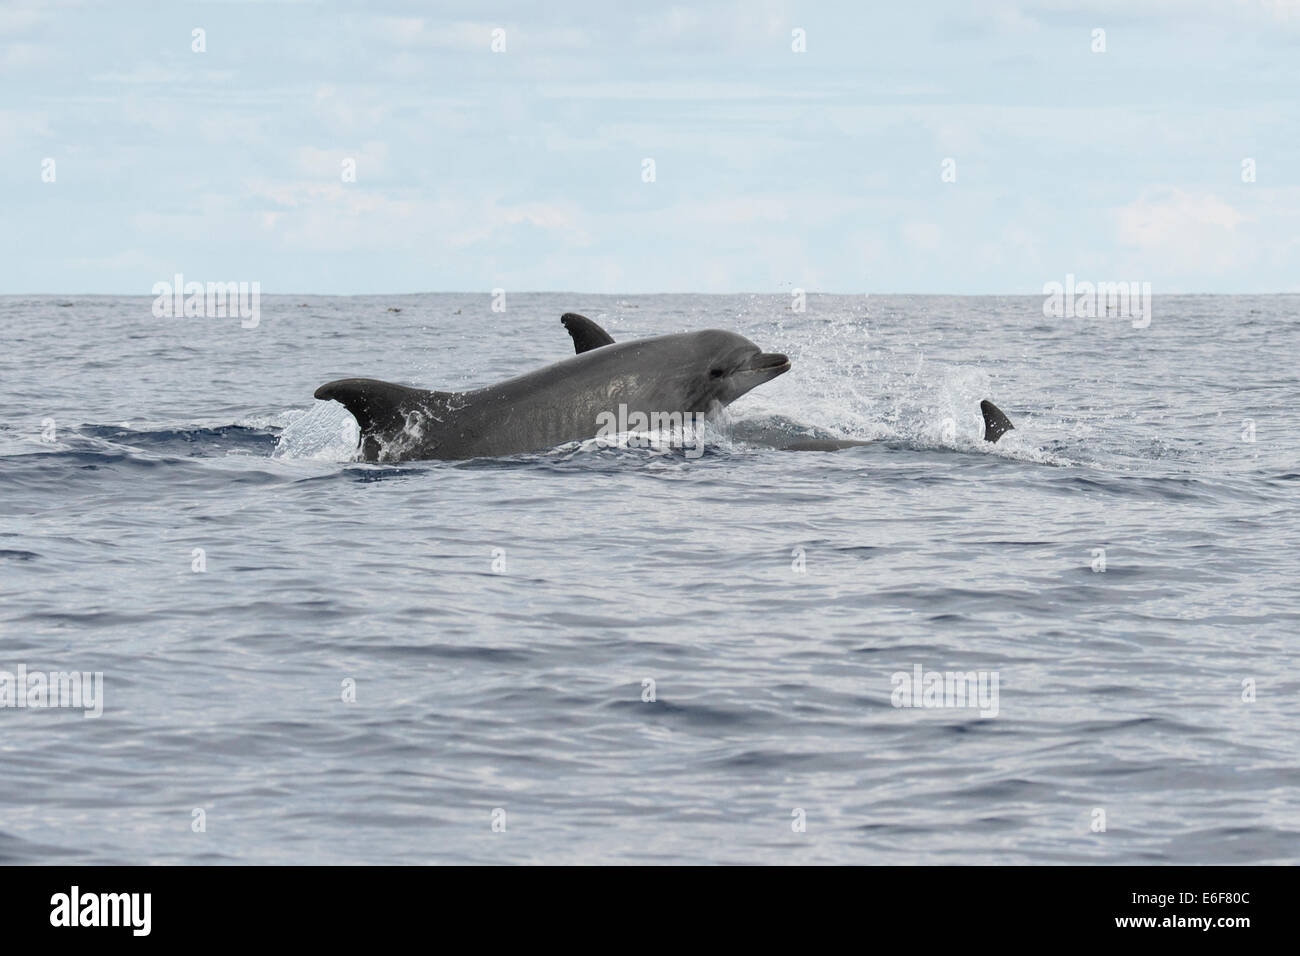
907	148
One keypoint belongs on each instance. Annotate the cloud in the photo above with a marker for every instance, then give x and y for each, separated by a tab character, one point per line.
23	56
22	124
1176	221
1283	11
922	235
1184	239
333	216
18	19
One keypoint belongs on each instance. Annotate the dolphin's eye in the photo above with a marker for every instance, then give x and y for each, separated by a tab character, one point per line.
717	373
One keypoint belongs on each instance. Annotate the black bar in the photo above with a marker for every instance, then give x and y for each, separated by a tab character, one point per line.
942	905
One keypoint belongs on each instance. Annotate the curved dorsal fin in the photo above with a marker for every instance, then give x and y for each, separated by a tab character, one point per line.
996	424
587	335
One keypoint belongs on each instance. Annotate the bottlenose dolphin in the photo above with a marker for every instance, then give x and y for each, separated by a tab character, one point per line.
686	374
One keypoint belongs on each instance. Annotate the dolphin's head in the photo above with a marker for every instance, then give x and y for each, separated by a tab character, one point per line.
731	365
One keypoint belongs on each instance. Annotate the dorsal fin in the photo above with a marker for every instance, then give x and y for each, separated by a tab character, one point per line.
587	335
377	406
996	424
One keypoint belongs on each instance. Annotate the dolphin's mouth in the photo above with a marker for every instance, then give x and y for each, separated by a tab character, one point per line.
770	364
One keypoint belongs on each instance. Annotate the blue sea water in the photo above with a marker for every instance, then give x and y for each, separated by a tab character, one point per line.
500	620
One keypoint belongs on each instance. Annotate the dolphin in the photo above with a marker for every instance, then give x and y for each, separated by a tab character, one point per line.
686	374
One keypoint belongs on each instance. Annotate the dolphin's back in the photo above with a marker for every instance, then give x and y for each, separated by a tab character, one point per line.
564	401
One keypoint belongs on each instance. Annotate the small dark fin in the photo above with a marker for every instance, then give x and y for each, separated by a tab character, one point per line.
587	335
377	406
996	424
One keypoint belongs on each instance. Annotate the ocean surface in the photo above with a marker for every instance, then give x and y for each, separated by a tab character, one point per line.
604	654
